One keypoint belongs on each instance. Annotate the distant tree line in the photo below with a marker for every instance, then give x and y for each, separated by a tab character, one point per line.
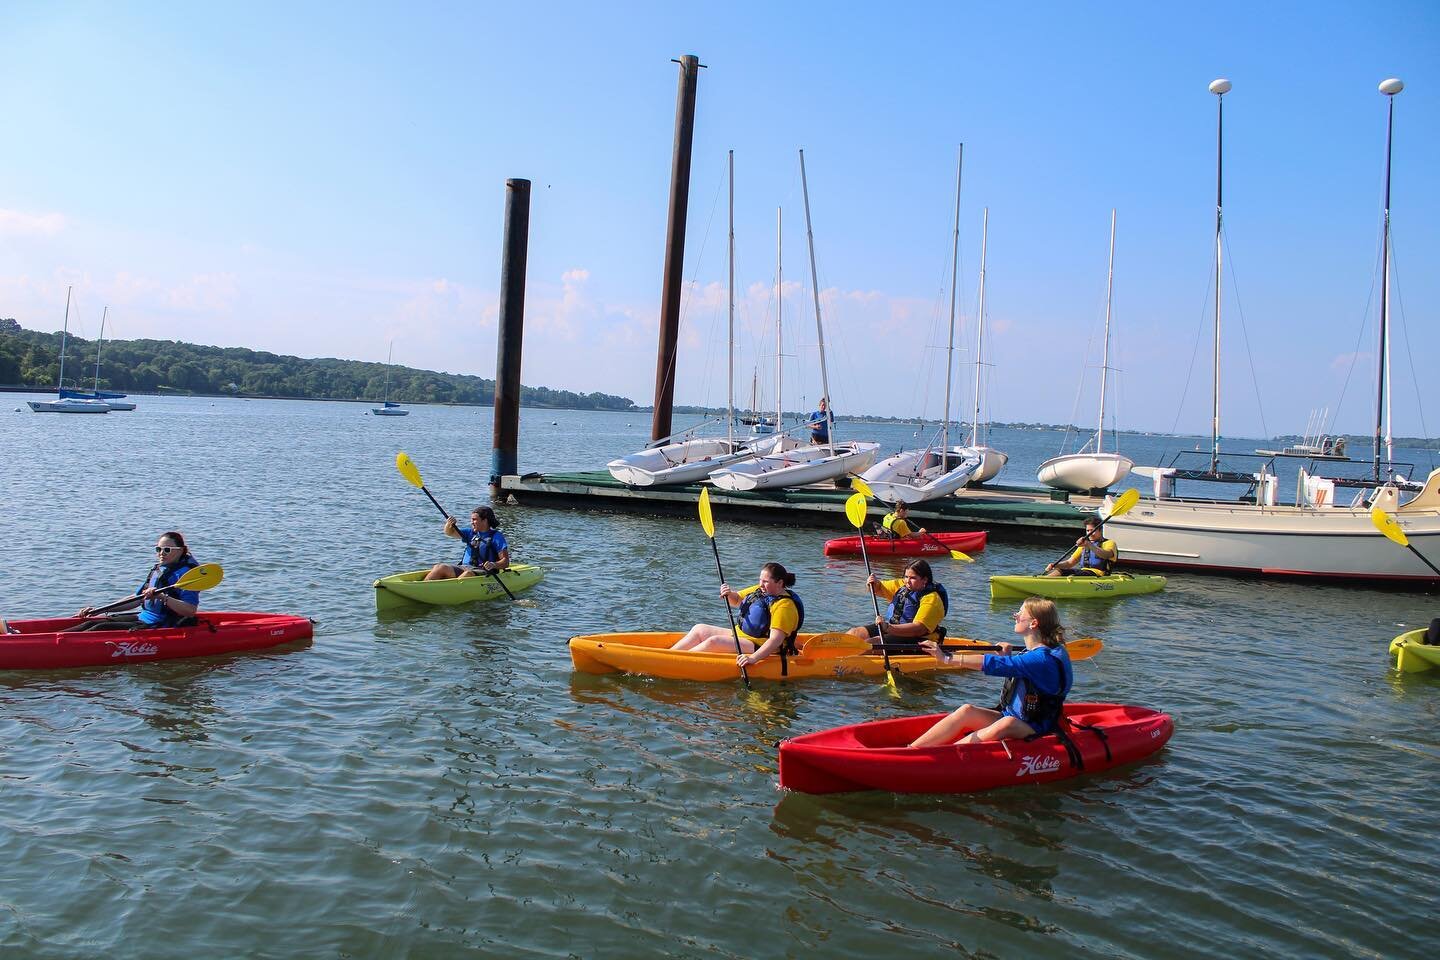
32	359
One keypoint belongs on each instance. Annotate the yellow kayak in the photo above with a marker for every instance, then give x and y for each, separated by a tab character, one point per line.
1412	654
821	655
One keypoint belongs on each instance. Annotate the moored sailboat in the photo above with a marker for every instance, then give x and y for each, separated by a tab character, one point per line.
115	401
67	404
386	408
992	461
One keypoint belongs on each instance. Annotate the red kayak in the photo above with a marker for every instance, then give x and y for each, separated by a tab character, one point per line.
874	756
925	546
40	644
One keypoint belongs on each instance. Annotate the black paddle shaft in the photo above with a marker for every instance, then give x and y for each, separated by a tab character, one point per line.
865	555
744	674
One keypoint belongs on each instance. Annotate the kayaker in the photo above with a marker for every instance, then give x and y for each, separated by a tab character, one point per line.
917	605
896	524
820	422
486	550
1093	554
1038	681
172	561
770	615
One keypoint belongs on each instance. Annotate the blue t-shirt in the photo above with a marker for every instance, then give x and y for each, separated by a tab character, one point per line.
820	422
155	612
1044	670
476	550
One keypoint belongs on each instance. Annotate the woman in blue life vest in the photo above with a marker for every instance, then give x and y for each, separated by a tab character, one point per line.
168	609
486	550
1093	554
1038	681
917	605
770	615
820	422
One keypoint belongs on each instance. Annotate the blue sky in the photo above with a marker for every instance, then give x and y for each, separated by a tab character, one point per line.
320	179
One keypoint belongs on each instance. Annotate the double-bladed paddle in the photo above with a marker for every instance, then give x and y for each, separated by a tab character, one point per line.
411	473
203	577
827	646
1386	524
707	522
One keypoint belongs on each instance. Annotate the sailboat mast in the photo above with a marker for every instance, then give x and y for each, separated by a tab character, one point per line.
100	343
779	308
64	332
389	362
1105	353
954	281
1219	88
815	288
1382	402
980	328
730	379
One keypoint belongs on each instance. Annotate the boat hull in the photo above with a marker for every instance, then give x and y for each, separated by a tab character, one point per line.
1289	541
41	644
407	589
915	476
389	412
875	756
968	542
688	461
1080	587
797	467
648	654
68	406
1082	472
992	461
1412	654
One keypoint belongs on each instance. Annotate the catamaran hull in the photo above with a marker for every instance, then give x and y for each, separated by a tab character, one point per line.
1288	541
1084	471
992	461
675	463
914	476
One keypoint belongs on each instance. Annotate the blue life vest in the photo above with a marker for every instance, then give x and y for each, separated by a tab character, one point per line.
480	549
161	615
907	602
1043	711
1092	561
755	615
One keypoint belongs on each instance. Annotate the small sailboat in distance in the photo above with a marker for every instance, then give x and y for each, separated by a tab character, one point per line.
115	401
67	404
388	409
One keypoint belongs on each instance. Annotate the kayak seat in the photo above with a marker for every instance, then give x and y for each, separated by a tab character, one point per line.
1432	636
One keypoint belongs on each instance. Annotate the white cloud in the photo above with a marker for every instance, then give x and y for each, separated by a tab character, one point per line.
17	223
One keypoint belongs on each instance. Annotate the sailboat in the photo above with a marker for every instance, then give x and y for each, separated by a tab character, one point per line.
788	462
1316	537
388	409
1098	470
914	476
65	404
992	461
115	401
673	461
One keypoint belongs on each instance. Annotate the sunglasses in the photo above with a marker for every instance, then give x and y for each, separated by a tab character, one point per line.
167	549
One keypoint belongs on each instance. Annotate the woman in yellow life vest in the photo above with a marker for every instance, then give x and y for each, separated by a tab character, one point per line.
897	523
1093	554
770	616
917	605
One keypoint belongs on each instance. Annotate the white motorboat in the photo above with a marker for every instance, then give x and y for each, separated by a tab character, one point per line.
1098	470
992	461
67	404
914	476
1315	537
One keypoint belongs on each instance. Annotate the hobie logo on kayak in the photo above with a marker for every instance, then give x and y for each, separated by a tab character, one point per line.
1036	765
133	648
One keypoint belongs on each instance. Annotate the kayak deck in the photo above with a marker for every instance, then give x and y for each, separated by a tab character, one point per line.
1412	654
43	644
405	589
1074	587
648	654
932	545
876	755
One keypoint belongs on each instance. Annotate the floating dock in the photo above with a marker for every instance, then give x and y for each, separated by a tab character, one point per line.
1010	513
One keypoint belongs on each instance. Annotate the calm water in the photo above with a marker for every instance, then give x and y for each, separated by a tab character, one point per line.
443	785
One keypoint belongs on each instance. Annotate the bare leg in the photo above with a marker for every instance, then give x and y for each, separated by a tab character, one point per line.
441	571
968	717
1005	728
698	634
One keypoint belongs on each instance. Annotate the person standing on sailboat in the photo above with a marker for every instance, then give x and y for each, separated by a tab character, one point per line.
820	423
1093	554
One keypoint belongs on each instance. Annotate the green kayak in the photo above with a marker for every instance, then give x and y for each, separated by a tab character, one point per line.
402	589
1085	586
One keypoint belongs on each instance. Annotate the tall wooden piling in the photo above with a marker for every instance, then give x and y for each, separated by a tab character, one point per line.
511	334
675	247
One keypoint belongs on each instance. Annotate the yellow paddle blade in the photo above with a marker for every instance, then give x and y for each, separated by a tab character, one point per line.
203	577
855	510
890	686
408	470
707	519
1386	524
827	646
1124	502
958	555
859	485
